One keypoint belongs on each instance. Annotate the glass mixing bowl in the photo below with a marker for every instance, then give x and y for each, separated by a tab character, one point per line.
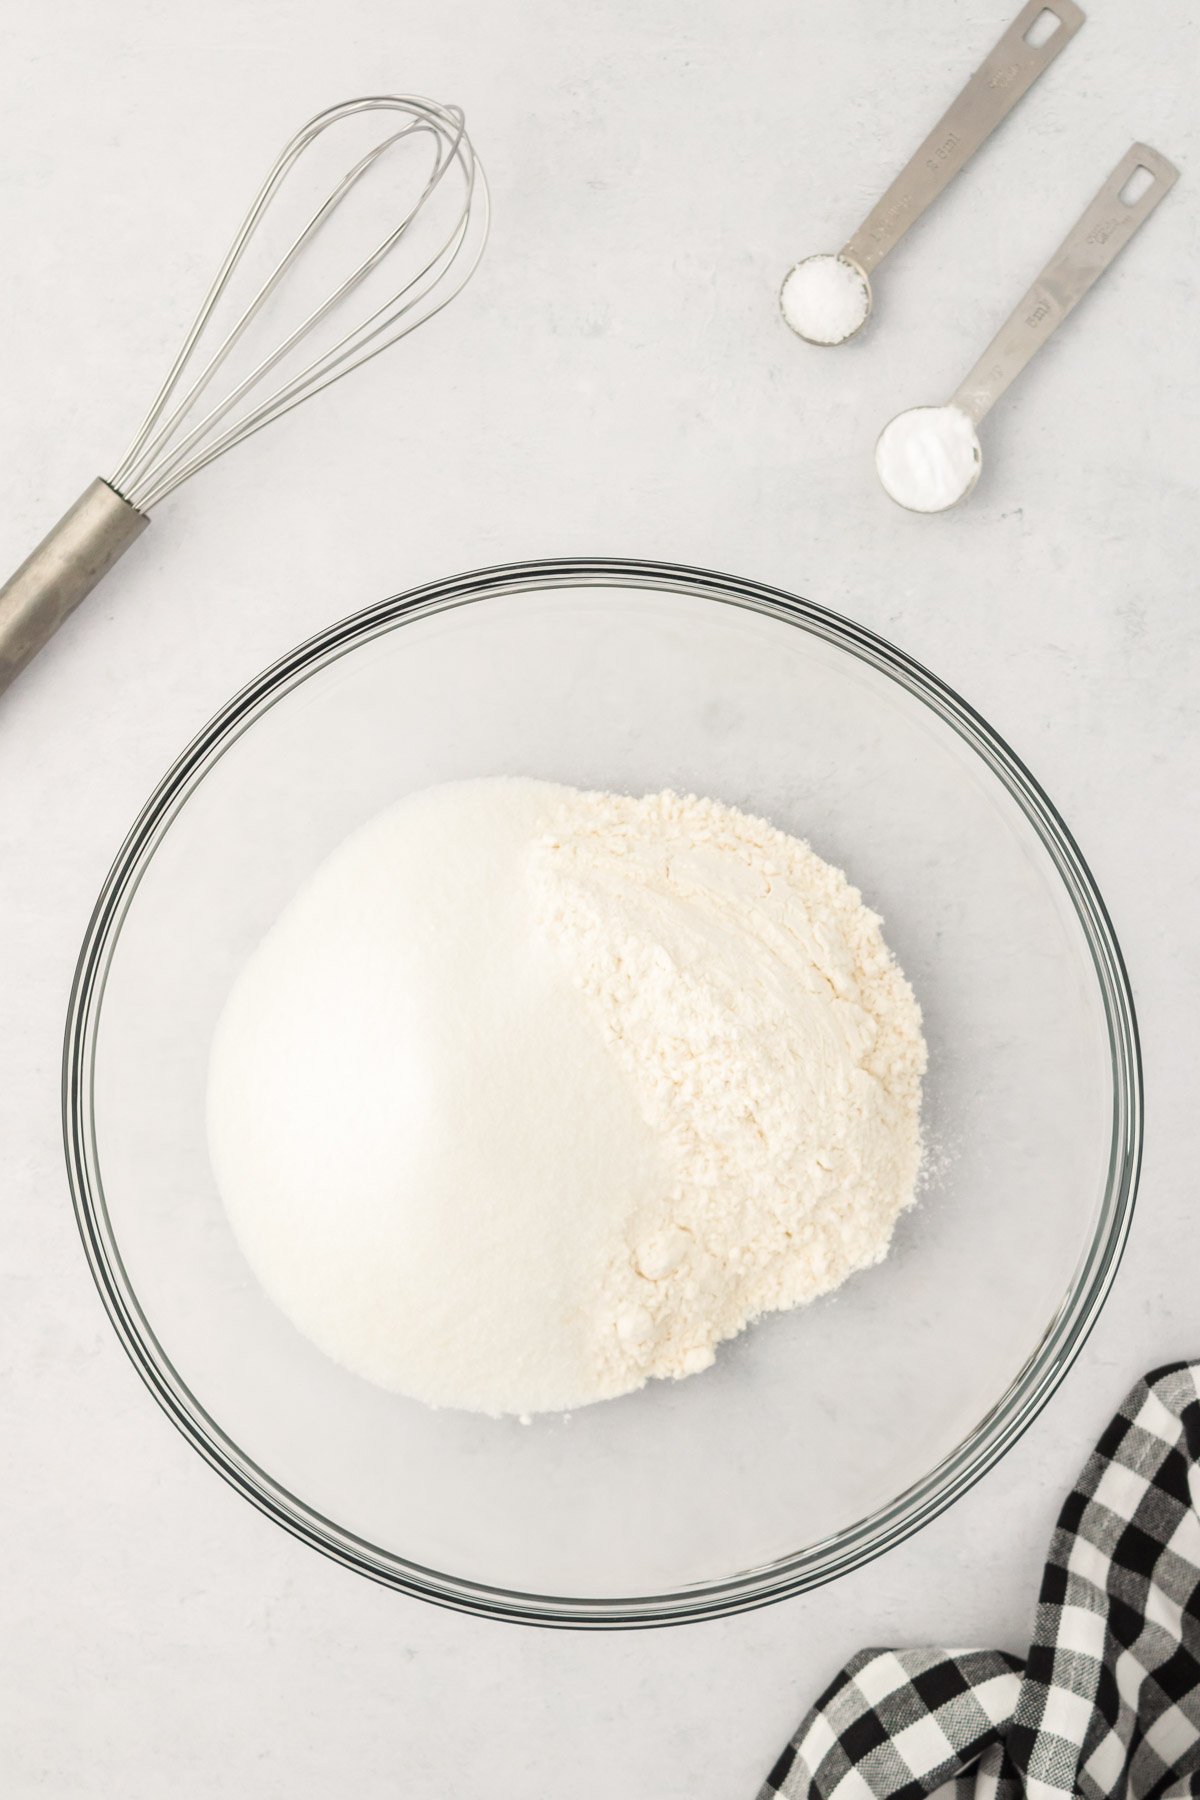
821	1437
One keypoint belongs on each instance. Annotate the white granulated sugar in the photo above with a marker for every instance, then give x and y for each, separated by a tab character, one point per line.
928	457
532	1094
825	299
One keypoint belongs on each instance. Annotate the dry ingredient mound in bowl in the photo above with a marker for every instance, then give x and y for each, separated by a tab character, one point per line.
531	1094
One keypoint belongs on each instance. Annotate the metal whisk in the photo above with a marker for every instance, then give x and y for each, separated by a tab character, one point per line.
187	428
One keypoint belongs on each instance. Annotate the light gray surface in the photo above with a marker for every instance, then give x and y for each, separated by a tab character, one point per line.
618	381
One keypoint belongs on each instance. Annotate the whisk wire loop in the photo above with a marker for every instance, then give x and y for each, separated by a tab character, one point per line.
167	451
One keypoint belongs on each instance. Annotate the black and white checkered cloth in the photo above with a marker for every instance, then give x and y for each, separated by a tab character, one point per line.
1107	1703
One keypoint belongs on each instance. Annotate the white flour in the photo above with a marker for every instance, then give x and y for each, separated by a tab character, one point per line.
825	299
531	1094
928	457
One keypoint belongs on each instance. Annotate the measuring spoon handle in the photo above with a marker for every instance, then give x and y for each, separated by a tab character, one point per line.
993	90
1099	237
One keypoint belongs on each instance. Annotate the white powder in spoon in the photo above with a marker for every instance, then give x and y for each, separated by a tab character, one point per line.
531	1094
928	458
825	299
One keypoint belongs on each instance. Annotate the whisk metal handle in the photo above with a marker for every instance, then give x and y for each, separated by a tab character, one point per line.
62	571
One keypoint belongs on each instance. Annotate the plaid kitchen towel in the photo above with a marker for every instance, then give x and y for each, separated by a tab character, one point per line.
1106	1704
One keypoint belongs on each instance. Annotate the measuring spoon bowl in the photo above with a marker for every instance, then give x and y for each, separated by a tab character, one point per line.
826	299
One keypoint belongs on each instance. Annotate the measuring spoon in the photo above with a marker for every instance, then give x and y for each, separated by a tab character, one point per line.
827	298
929	457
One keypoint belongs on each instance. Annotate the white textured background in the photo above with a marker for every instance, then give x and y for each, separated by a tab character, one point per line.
616	382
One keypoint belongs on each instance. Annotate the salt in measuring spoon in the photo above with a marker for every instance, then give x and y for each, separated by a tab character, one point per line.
929	457
827	298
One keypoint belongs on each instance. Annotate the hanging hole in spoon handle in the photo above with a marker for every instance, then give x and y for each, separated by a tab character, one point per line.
1139	182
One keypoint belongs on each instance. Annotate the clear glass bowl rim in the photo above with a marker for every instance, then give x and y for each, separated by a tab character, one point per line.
848	1549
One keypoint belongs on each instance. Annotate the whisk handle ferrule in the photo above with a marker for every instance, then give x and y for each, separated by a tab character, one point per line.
62	571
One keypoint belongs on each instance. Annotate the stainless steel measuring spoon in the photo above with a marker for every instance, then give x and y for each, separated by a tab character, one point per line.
929	457
827	298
